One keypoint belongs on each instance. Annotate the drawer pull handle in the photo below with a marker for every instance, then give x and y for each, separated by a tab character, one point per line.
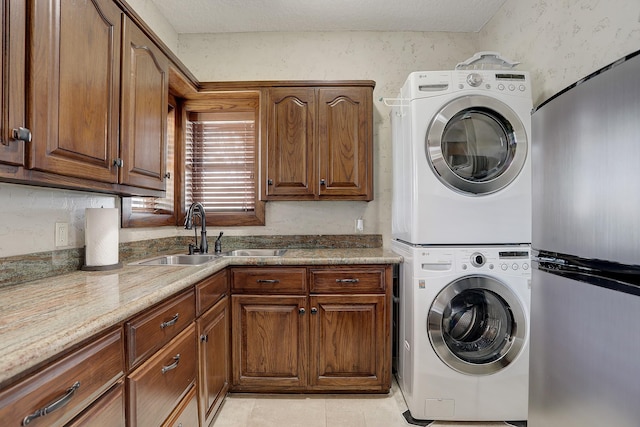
268	281
347	280
56	404
174	365
171	322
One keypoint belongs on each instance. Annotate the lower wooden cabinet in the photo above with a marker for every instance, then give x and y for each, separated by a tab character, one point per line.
64	389
156	387
108	411
333	336
348	341
213	359
270	342
186	414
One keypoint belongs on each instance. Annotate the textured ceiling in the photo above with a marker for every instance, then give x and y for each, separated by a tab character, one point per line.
225	16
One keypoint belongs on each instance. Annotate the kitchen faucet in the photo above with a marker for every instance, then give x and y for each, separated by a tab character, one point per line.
188	224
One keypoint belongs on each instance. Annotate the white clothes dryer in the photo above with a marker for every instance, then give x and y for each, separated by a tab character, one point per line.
462	158
464	332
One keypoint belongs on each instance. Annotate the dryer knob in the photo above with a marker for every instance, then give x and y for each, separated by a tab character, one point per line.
474	79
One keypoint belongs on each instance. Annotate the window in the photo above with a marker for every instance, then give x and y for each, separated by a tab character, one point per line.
221	166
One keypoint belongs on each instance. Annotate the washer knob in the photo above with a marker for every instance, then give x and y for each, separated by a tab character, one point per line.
477	259
474	79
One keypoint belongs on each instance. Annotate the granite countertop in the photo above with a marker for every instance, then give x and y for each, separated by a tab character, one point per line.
43	318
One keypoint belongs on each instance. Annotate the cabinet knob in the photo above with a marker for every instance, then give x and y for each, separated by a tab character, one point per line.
323	182
21	134
269	182
301	310
314	310
204	338
167	175
118	163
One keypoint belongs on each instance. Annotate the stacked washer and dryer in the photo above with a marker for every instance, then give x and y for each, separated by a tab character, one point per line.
462	222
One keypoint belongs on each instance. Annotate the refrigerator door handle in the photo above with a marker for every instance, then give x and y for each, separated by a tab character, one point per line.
549	260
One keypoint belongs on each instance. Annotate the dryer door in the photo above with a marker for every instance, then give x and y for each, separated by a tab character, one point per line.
476	325
476	144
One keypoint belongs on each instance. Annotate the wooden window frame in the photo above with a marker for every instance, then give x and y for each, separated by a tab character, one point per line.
228	102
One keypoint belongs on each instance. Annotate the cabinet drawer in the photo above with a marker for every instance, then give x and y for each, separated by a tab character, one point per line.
186	414
67	386
108	411
348	280
269	280
210	290
151	330
158	385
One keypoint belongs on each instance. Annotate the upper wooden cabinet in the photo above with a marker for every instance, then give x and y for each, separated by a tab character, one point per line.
12	80
319	143
143	125
75	92
74	88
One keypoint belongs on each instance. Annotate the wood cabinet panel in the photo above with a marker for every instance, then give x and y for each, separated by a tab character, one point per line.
13	21
319	143
152	329
345	149
108	411
344	279
214	353
186	414
157	386
74	88
145	91
270	342
349	339
287	280
290	142
75	381
211	290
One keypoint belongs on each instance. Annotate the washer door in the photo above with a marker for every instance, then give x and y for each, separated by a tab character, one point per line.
476	145
476	325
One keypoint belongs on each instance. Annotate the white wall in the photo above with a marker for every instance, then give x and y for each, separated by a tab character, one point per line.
562	41
559	42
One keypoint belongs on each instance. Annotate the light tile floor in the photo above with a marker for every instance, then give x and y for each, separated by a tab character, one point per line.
322	410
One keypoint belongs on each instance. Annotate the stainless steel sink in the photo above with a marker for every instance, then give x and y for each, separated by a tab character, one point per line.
197	259
255	252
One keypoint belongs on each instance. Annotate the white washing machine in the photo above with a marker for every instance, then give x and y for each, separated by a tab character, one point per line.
462	158
464	332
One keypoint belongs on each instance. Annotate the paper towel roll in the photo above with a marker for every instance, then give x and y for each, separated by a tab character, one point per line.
101	238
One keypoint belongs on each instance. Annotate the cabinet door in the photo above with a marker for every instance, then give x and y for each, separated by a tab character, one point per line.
74	87
213	353
349	343
12	79
145	92
270	342
290	148
345	142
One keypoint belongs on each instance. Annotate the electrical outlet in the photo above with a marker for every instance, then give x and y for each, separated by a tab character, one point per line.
359	225
62	234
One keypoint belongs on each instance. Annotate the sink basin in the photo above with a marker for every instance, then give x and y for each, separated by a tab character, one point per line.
179	260
255	252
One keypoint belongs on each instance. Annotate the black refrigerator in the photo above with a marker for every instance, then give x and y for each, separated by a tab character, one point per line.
585	290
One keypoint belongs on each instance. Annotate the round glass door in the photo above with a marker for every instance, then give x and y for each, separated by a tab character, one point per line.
476	325
476	145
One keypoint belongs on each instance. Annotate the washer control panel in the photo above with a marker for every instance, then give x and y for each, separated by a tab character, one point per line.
511	260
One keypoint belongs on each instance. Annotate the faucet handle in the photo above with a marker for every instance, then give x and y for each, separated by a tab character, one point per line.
192	248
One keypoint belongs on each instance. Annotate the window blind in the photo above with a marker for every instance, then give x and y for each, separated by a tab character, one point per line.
221	161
